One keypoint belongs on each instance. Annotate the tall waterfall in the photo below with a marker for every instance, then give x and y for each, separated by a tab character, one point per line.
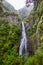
23	43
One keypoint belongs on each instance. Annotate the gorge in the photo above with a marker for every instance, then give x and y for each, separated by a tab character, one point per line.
21	36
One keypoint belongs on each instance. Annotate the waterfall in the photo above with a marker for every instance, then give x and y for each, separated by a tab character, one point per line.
23	43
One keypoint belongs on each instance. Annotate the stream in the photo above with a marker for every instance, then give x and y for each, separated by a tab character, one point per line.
23	42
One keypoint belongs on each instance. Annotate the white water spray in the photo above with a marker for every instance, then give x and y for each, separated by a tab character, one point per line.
23	43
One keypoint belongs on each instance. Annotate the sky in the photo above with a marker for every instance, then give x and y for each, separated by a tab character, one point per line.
17	3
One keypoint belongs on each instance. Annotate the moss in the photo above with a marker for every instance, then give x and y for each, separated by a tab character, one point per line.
40	8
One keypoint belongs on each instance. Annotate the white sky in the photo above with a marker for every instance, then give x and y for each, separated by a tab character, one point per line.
17	3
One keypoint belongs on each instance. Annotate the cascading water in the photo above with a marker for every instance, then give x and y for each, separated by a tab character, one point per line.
23	43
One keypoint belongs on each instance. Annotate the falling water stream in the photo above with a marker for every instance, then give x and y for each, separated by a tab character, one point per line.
23	42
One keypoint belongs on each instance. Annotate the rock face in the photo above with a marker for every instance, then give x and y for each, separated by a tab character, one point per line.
8	6
25	11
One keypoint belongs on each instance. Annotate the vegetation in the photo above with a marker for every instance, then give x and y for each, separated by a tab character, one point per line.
9	37
10	34
37	59
35	34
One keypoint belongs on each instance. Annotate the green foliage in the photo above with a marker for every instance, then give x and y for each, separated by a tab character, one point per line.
35	28
37	59
40	8
31	30
9	37
29	61
10	34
